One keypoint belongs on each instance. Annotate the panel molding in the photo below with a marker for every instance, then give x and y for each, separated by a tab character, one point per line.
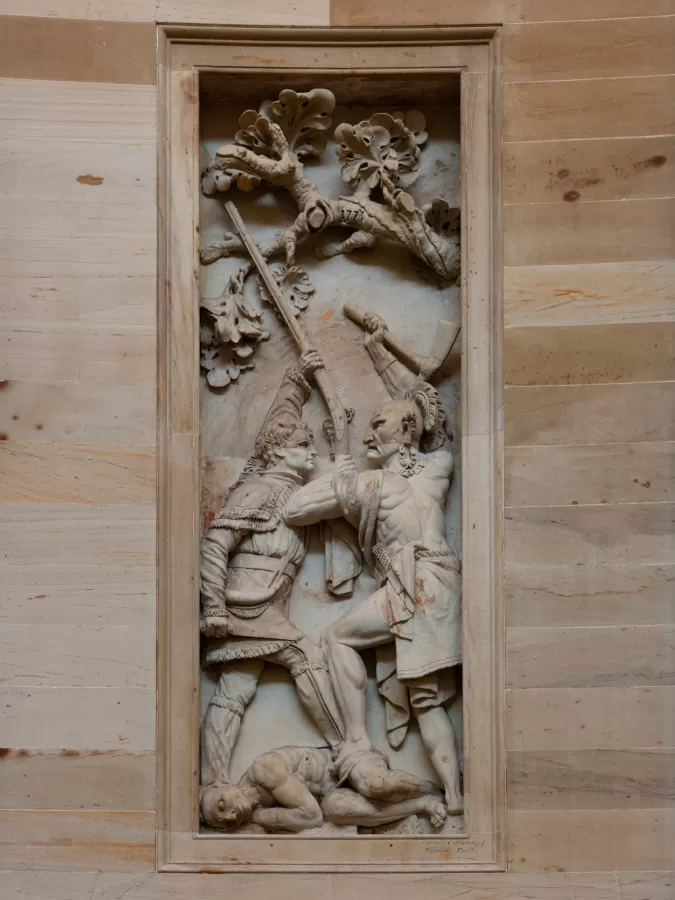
474	52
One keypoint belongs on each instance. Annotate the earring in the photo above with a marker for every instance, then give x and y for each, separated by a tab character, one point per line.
410	460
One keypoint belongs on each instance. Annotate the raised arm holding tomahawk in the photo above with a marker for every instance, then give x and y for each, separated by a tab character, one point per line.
425	367
413	619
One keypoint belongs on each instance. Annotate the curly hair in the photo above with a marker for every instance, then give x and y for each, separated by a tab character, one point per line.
277	434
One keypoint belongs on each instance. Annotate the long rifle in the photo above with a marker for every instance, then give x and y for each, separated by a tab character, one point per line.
337	433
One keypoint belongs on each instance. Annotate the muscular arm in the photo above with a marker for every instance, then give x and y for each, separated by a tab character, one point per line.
297	810
217	544
313	503
396	377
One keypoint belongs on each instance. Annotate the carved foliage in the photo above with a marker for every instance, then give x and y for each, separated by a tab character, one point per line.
229	335
303	118
381	153
382	147
442	217
295	284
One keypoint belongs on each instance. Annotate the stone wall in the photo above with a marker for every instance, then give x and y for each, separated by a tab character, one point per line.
589	129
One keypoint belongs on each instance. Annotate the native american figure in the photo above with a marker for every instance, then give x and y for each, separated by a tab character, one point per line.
413	619
249	560
295	788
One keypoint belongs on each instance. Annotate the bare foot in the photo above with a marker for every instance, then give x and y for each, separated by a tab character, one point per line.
454	803
436	811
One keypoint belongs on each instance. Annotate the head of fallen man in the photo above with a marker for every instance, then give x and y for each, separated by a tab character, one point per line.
224	805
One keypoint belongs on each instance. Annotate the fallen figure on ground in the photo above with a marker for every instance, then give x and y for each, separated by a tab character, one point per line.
297	788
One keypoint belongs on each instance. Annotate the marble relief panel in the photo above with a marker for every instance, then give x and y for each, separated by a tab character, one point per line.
330	468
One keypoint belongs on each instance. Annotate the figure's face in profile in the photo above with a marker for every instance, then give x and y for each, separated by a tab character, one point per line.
225	805
299	452
390	427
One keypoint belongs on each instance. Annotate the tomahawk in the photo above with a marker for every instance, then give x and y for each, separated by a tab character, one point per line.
424	366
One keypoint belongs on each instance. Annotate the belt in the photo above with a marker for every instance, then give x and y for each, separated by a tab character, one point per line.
247	612
445	558
262	563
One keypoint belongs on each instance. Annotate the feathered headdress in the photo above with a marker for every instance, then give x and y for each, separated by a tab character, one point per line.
428	401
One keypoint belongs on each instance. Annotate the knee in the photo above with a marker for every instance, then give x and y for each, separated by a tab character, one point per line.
246	693
426	711
237	687
377	786
338	806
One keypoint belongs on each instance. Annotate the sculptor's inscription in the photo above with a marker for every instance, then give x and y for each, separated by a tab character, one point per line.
381	511
458	848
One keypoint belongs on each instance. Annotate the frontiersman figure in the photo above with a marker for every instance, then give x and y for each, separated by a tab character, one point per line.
249	560
413	620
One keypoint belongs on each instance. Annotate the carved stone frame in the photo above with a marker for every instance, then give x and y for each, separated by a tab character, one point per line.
476	54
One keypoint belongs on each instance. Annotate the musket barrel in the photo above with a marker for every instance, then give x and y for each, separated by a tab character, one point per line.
275	291
336	410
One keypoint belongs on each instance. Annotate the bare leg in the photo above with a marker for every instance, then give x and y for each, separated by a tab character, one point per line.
345	807
373	778
438	737
349	678
363	626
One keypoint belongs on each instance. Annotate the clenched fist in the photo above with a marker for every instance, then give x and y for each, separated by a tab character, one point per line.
309	362
375	328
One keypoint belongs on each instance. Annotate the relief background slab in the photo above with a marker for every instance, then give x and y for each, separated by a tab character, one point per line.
385	279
